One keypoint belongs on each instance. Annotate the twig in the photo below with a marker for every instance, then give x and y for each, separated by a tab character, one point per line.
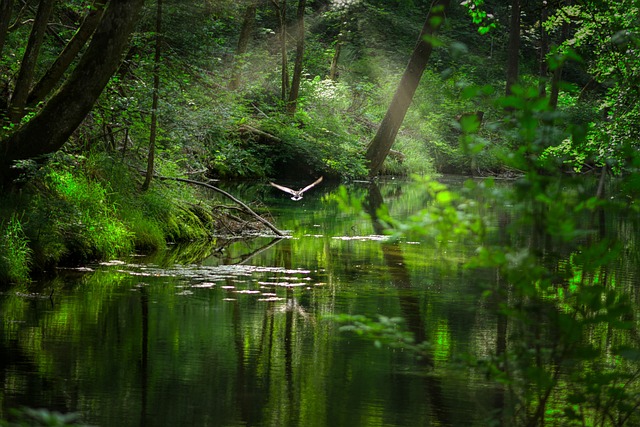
253	104
235	208
238	219
247	257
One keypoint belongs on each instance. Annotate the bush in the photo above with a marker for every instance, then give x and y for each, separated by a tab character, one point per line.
72	217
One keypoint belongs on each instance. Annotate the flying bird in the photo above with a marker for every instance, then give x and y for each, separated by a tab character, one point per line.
296	194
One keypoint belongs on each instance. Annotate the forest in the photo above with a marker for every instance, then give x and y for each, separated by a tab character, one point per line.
256	90
118	115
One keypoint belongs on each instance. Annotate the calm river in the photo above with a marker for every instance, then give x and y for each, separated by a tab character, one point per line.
241	336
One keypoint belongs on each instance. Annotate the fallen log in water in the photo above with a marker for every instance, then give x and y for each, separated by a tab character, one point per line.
246	208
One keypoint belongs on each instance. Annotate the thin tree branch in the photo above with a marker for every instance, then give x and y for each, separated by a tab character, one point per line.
229	196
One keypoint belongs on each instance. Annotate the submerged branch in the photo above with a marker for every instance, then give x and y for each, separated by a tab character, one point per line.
250	255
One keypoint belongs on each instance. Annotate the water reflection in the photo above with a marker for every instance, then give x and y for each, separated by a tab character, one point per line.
410	306
235	334
236	339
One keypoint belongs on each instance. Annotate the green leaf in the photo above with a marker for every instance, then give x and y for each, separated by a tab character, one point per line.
511	102
433	41
470	123
458	49
444	197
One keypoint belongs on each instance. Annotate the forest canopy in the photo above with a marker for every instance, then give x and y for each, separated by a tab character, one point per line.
250	87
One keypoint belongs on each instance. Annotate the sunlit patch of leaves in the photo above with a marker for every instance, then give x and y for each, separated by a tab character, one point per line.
479	16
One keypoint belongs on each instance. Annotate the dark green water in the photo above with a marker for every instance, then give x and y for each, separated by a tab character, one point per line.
240	338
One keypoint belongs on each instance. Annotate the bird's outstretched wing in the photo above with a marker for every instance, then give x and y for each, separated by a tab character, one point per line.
285	189
317	181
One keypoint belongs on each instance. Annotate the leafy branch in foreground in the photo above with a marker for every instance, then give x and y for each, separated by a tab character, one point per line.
566	348
41	417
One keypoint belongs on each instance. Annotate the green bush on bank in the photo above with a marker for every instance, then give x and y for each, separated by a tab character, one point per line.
166	212
68	217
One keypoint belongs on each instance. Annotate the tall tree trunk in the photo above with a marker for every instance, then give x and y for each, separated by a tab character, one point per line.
53	125
54	74
557	72
281	10
382	142
513	50
6	7
28	66
544	50
248	22
297	69
333	70
283	51
154	103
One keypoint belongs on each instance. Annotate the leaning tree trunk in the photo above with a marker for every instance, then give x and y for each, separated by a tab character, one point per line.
382	142
28	66
248	23
154	102
297	69
6	7
46	132
54	74
513	50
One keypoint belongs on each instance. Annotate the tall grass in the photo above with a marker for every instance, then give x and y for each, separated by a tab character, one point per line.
71	218
15	253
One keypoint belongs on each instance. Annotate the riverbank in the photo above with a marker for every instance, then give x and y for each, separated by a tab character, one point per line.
78	209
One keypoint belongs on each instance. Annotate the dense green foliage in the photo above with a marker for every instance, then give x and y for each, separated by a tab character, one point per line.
205	126
84	202
556	288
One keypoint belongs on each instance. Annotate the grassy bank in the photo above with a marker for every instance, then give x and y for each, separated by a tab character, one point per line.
78	209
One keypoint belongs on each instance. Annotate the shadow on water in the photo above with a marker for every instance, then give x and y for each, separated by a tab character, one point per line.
218	248
144	355
410	305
